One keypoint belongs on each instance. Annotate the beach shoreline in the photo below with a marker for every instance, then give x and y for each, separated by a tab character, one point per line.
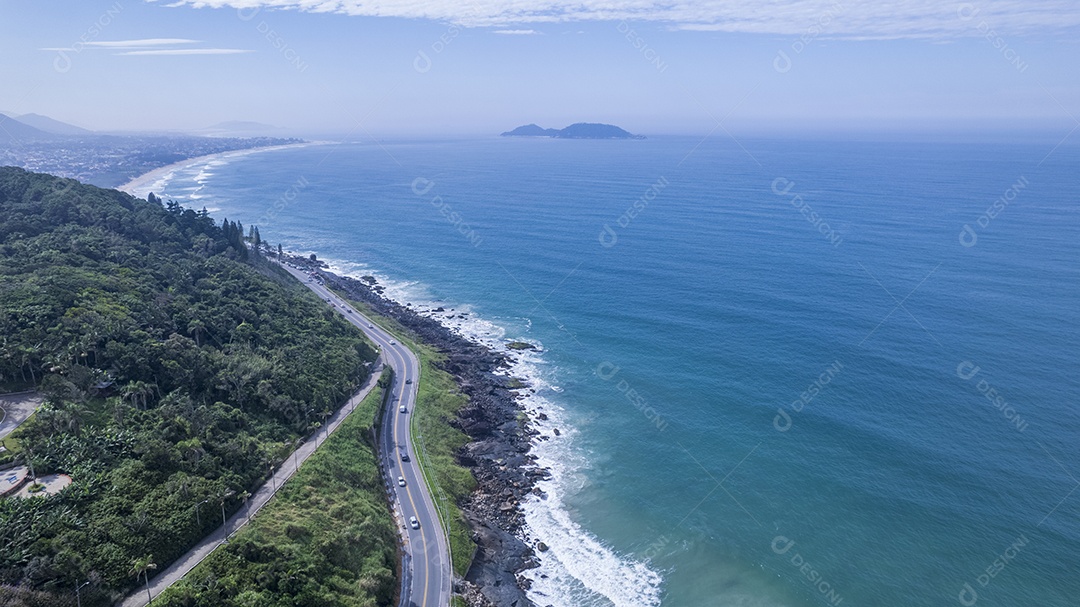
141	185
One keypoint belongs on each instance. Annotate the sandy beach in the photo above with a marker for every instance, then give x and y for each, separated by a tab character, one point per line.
152	180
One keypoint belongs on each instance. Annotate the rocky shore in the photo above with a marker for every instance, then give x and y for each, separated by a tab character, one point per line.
497	454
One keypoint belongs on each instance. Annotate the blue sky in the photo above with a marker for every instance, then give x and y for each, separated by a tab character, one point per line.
407	67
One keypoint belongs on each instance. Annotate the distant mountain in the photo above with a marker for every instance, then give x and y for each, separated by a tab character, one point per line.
44	123
12	130
591	130
580	130
531	130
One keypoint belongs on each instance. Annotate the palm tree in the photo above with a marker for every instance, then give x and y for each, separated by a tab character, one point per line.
142	567
245	496
196	328
138	392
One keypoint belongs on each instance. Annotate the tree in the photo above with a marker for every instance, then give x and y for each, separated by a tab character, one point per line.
196	328
280	253
138	392
142	566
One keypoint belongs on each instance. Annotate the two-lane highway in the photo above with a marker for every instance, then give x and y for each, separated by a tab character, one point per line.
427	563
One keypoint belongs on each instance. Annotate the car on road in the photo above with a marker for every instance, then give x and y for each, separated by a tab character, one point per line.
404	456
408	381
393	343
415	524
403	409
401	481
370	326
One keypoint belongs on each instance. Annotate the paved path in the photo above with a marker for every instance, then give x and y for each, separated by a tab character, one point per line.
15	408
181	566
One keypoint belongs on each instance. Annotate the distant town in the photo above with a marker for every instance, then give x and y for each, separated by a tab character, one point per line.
106	160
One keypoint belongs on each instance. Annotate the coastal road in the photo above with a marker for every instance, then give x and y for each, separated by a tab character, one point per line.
426	570
16	408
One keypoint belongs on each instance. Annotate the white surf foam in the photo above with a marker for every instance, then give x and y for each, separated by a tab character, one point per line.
578	569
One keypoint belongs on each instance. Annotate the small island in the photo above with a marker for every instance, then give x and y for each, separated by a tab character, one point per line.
579	130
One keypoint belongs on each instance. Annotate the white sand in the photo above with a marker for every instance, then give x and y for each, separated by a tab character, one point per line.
145	183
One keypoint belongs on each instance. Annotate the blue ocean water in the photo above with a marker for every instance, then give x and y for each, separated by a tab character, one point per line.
784	371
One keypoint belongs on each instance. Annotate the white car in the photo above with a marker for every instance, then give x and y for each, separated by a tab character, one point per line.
402	409
401	481
393	343
415	524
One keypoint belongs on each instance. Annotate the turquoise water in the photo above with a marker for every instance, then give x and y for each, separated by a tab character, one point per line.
783	341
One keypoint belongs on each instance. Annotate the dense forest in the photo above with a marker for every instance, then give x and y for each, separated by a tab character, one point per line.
178	365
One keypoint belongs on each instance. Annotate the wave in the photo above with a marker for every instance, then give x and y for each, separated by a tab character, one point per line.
578	568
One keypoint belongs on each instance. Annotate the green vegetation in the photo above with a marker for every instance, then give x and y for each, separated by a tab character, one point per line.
438	401
326	539
178	369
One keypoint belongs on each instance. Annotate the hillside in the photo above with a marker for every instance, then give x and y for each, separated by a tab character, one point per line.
530	130
179	369
579	130
49	125
11	130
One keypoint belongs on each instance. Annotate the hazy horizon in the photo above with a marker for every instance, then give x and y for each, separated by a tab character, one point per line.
431	69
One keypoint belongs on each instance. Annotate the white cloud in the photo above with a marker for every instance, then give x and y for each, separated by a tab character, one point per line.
151	46
141	43
516	32
188	51
857	19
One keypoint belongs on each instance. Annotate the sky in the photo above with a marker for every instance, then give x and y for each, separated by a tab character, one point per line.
356	68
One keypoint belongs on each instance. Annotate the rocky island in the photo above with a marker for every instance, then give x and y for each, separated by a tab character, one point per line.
579	130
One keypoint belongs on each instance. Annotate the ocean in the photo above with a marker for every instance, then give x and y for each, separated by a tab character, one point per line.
785	372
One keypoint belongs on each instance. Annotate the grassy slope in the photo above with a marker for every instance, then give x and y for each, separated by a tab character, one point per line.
327	538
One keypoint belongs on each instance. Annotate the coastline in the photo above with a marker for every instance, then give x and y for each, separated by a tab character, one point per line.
140	185
498	454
